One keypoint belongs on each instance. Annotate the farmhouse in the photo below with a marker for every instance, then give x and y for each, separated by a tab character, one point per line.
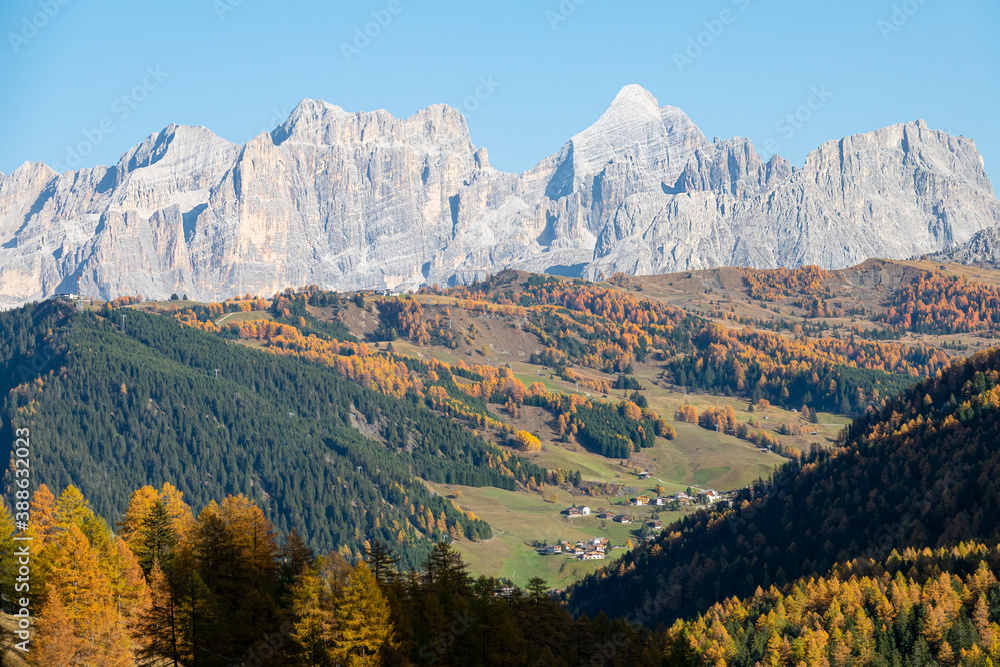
623	518
655	524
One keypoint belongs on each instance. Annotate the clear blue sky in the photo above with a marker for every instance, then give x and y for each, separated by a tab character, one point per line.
239	67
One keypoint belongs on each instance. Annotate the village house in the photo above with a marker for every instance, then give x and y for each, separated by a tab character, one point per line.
592	555
639	500
553	549
606	515
655	524
711	495
578	511
660	500
644	474
623	518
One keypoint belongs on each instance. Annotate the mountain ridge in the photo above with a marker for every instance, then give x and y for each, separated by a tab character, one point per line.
366	200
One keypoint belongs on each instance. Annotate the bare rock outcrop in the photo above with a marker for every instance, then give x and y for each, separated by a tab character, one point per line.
366	200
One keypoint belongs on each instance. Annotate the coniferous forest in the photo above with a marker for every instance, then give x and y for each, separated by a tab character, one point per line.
111	410
167	587
219	504
922	472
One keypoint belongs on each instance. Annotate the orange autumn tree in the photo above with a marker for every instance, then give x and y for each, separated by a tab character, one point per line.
156	523
92	591
527	442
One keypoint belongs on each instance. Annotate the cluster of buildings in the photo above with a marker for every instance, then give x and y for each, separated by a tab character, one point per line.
593	549
707	496
619	518
575	511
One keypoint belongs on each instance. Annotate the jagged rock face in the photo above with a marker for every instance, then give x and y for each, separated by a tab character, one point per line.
893	193
983	249
366	200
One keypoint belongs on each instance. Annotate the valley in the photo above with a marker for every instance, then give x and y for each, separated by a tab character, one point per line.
456	428
460	328
577	334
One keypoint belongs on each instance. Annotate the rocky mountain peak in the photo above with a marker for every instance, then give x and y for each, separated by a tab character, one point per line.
174	144
350	200
656	139
32	171
632	100
322	124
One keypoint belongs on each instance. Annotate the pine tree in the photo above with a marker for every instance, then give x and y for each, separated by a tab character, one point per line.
156	538
181	517
159	624
72	508
381	561
445	571
196	619
295	555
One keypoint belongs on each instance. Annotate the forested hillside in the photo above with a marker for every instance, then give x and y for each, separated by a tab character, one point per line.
611	329
111	410
218	588
921	607
923	471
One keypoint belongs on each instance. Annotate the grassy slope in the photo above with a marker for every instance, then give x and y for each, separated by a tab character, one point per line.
520	519
697	457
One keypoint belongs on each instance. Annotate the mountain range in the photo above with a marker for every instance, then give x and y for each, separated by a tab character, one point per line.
366	200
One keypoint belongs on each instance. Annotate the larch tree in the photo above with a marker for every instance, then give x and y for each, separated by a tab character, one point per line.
86	601
8	561
43	517
363	624
139	505
56	643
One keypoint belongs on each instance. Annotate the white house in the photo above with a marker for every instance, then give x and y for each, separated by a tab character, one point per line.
711	495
